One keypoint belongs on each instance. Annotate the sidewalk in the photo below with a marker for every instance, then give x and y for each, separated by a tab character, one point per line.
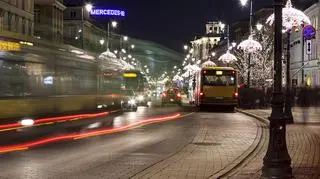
313	114
303	143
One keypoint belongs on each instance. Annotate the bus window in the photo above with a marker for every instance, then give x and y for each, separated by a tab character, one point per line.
212	79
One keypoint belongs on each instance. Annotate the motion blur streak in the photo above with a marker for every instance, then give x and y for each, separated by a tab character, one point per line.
75	136
53	119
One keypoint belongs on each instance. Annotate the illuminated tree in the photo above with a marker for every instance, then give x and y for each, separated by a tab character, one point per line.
261	61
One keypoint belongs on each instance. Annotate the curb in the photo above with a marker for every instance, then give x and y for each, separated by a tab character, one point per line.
261	119
224	173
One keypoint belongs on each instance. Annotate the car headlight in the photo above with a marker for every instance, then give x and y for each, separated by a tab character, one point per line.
140	98
132	101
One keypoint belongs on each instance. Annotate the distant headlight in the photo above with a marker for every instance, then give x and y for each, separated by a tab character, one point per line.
140	98
27	122
132	101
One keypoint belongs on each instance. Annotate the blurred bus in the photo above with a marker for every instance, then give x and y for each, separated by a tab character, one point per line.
136	81
40	80
216	86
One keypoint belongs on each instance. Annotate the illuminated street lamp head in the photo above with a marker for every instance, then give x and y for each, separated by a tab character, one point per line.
185	47
259	26
88	7
228	57
243	2
291	17
132	46
114	24
125	38
222	25
213	54
101	41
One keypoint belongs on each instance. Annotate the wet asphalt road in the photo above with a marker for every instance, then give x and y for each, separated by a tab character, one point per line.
119	155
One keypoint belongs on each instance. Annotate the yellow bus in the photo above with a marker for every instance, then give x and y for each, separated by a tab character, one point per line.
216	86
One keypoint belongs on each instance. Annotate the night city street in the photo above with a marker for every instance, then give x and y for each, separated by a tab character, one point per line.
159	89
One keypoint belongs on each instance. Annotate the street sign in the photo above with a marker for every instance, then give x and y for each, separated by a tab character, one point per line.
309	32
309	47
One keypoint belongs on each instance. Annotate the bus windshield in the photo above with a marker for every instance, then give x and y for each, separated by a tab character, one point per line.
219	78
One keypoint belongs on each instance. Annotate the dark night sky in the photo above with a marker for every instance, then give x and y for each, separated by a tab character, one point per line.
175	22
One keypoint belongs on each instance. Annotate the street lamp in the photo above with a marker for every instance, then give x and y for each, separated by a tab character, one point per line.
185	47
101	41
125	38
113	25
277	161
88	8
291	18
227	57
132	46
243	2
259	26
213	54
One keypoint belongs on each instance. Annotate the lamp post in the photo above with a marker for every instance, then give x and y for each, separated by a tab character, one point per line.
114	25
291	19
249	45
277	162
227	57
88	8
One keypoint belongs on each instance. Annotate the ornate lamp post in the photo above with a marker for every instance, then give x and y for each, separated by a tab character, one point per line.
249	46
227	57
208	63
277	162
88	8
291	19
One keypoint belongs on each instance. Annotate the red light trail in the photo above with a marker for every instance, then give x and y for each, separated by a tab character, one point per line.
91	133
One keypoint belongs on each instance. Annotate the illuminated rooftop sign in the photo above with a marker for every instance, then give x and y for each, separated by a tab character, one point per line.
9	46
107	12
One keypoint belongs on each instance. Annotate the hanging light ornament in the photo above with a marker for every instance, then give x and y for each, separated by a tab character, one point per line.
250	45
227	57
292	18
208	64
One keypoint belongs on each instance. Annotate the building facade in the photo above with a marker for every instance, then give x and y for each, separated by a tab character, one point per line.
202	46
80	31
305	69
48	18
16	18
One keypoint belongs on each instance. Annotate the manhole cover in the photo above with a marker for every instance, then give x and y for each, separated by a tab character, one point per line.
206	143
